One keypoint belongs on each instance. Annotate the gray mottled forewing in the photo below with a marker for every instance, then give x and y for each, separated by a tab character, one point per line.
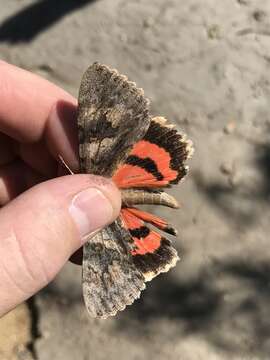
110	279
112	116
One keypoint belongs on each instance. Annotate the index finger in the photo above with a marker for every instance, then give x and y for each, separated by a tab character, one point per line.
27	102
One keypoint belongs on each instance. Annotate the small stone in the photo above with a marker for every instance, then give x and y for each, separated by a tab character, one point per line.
234	179
124	37
226	168
230	127
259	15
148	67
213	32
243	2
63	301
148	22
44	70
45	67
46	334
186	121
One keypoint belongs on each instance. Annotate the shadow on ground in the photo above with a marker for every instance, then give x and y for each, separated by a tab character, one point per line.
37	17
238	203
227	306
263	165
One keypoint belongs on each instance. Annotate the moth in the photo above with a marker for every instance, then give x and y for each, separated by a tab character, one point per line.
119	139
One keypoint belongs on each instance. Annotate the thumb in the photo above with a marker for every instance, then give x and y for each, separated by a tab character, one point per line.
41	228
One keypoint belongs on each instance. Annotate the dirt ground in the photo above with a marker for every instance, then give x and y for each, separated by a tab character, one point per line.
205	66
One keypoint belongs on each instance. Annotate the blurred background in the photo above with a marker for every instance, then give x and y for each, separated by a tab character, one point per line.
205	66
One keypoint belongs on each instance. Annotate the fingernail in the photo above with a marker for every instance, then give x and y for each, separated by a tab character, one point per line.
91	210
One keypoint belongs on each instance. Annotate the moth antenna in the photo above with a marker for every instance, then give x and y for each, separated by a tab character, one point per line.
65	165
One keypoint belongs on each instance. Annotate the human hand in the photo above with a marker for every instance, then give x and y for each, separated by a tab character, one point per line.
43	218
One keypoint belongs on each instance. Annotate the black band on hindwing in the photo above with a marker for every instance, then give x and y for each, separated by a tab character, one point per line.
140	232
146	164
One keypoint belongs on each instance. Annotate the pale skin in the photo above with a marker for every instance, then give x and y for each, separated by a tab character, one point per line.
44	218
